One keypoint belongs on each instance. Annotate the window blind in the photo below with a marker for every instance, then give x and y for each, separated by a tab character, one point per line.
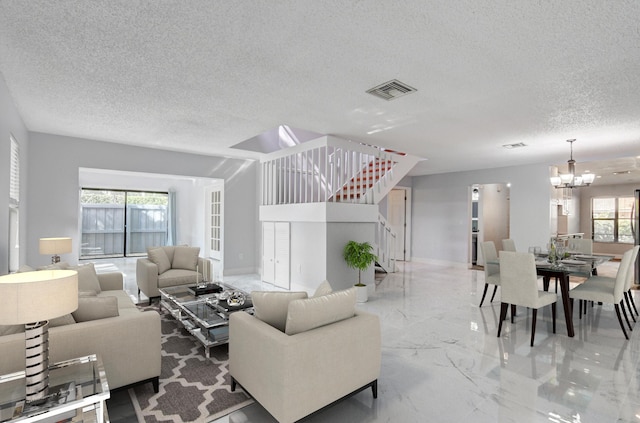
14	177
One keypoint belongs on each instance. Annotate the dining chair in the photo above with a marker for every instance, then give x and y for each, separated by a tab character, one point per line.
519	287
599	289
629	282
581	245
508	245
628	295
491	271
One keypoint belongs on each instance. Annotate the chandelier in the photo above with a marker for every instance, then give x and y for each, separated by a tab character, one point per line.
570	179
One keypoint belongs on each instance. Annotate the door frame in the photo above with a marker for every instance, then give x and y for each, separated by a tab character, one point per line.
480	235
407	220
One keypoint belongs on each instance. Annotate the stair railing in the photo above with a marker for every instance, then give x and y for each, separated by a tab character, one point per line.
385	245
330	169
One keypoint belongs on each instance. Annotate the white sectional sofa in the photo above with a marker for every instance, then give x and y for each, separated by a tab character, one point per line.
128	341
305	353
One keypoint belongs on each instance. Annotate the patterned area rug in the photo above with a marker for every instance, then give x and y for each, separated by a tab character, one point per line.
192	387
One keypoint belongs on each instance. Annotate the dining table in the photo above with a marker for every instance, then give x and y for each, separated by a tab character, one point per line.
561	270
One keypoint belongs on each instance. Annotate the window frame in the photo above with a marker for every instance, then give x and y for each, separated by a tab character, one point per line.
615	219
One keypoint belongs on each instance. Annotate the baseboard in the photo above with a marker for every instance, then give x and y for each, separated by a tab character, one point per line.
240	271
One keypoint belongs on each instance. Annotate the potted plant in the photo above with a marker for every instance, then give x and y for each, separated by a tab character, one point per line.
358	255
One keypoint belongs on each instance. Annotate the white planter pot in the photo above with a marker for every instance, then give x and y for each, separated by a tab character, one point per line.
362	294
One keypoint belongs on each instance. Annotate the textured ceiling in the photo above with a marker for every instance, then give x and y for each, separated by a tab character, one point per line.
202	76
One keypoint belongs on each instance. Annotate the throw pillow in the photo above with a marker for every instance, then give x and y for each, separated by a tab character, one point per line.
304	315
67	319
185	258
271	307
159	257
94	308
25	268
87	278
323	289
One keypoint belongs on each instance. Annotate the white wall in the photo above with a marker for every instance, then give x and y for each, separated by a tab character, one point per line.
54	163
339	274
308	254
319	232
441	213
11	123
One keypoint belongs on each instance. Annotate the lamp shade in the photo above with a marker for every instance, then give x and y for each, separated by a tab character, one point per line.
37	296
588	178
52	246
566	178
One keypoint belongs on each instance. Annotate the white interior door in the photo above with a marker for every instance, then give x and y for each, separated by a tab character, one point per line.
268	252
396	217
282	254
215	230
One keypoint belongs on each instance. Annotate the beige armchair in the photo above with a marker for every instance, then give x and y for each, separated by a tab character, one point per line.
306	367
170	266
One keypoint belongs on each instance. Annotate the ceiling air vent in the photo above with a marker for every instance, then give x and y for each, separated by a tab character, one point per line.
391	90
516	145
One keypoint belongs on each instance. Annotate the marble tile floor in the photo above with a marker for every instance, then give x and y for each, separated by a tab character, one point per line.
442	361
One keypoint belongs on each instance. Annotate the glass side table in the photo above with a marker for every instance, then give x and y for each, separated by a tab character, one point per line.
78	388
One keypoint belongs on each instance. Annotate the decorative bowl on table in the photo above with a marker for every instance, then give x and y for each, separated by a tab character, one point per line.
236	298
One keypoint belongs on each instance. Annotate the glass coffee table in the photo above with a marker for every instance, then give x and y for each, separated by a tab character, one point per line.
204	313
78	389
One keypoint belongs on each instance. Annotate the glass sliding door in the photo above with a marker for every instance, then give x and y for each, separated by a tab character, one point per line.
102	223
121	223
147	222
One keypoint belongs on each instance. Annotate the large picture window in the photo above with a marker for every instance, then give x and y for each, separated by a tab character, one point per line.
122	223
611	219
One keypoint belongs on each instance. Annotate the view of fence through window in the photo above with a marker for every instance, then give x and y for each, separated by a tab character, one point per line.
611	219
122	223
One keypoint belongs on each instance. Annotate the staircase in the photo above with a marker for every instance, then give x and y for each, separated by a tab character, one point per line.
369	175
330	169
385	246
333	171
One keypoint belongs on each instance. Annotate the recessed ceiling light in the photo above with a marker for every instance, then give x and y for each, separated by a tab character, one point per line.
622	172
515	145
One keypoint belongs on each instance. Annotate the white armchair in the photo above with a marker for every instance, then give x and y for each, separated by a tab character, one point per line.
170	266
296	374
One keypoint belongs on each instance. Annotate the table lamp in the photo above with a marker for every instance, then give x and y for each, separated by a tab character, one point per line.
32	298
55	246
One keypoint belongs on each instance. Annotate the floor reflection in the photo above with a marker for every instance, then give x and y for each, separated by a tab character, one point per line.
442	360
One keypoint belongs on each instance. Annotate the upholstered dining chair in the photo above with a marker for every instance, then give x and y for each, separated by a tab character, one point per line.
599	289
508	245
491	271
519	286
610	282
581	245
629	282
